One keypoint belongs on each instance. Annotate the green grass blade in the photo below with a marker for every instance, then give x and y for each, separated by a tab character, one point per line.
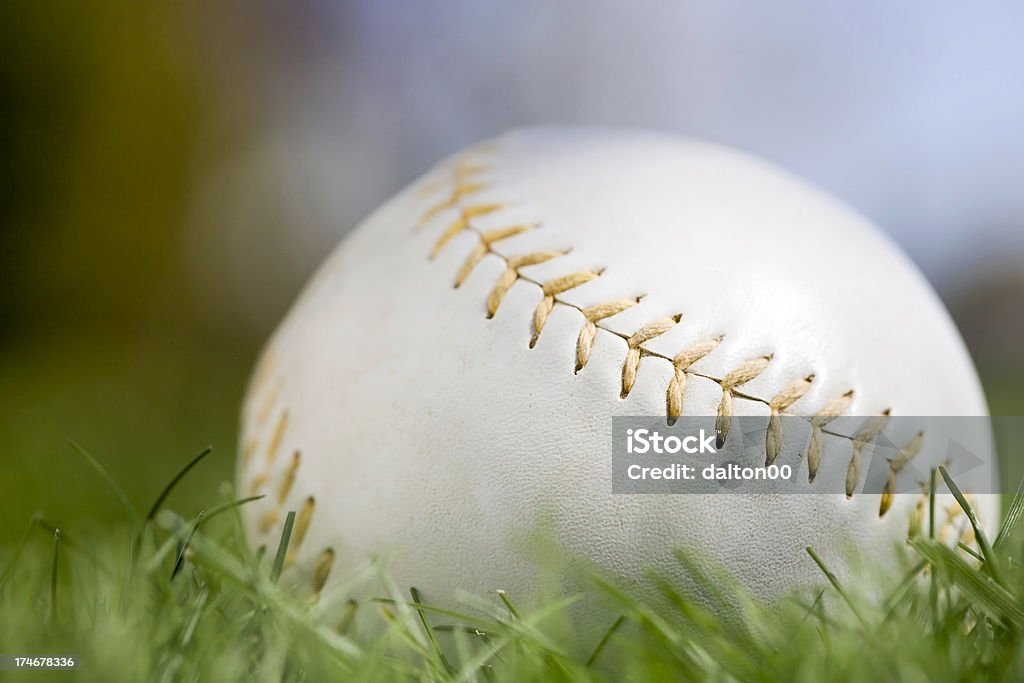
179	560
122	497
993	598
604	641
203	517
282	548
231	505
508	604
903	589
992	564
1012	518
348	616
69	543
931	502
834	580
482	625
517	631
174	482
970	551
431	637
53	574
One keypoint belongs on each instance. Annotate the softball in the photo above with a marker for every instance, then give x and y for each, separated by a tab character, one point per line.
446	383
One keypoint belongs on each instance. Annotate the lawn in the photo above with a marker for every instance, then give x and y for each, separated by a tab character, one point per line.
166	597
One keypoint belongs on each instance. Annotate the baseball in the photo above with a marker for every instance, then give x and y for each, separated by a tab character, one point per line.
446	383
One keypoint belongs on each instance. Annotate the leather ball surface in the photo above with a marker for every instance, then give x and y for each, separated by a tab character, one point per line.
447	381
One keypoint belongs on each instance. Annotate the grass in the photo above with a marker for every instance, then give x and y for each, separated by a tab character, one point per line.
170	598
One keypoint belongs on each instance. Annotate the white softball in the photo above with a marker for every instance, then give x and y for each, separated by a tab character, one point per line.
446	383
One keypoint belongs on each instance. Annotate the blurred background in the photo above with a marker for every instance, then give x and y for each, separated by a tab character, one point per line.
171	173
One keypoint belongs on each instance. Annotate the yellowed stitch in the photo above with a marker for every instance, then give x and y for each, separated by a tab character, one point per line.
460	191
275	443
437	208
269	519
461	223
746	371
251	446
917	518
773	438
631	364
690	355
322	569
461	170
833	409
277	437
826	414
888	494
483	247
491	236
652	330
677	385
550	289
872	427
265	368
466	169
457	226
532	259
431	188
952	512
905	455
473	211
609	308
956	522
791	394
868	432
853	469
501	287
814	449
585	343
257	483
592	314
723	419
268	402
289	477
540	316
479	251
781	402
302	521
674	395
564	283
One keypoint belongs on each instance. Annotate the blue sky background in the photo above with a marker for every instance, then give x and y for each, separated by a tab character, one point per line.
911	112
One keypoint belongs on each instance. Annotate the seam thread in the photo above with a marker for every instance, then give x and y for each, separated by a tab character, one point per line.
462	186
464	183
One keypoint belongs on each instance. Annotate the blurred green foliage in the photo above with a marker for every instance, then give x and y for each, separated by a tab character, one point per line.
101	341
99	130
